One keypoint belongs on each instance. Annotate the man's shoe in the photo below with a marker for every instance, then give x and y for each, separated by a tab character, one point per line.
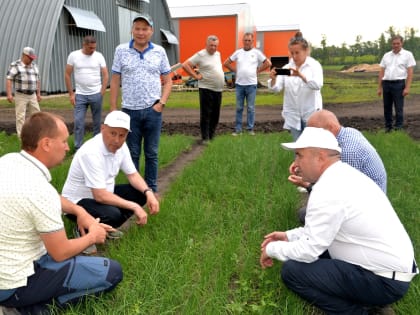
251	133
114	235
91	250
384	310
235	134
302	190
8	311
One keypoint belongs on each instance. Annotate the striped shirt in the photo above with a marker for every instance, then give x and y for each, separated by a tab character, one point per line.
24	77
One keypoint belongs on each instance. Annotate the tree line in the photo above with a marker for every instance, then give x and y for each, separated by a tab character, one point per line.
364	52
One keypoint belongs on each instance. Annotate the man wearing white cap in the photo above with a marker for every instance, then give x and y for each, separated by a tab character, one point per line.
23	77
90	182
353	253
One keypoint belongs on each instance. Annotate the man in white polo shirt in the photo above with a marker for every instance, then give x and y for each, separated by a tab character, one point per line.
90	182
353	252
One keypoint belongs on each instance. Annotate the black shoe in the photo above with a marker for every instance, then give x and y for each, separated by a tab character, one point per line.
388	129
378	310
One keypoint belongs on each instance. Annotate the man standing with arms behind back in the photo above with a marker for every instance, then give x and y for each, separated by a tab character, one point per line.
249	62
138	66
211	80
394	81
24	75
91	79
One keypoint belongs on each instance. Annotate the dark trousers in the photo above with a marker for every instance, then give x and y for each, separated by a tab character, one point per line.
210	102
112	215
338	287
393	96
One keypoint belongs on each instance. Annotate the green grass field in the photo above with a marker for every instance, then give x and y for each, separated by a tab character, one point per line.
200	254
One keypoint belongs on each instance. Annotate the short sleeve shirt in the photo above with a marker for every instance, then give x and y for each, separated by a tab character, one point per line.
93	166
29	206
24	77
396	65
140	74
247	62
211	69
87	71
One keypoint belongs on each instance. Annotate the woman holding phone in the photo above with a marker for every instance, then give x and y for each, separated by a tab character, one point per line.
301	86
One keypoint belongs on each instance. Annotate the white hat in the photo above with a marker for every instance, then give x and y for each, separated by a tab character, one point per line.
118	119
312	137
30	52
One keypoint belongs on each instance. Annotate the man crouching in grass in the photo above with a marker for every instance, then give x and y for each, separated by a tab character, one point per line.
353	255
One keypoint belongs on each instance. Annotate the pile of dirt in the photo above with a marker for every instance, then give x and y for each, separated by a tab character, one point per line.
363	68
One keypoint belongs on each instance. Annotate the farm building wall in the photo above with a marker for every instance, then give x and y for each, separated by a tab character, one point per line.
53	29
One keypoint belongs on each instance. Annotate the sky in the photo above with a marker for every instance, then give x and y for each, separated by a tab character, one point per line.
338	21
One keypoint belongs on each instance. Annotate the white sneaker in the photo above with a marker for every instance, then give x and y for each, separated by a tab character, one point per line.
236	134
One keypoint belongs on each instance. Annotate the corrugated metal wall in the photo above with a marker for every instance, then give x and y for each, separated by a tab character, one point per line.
27	23
44	25
68	38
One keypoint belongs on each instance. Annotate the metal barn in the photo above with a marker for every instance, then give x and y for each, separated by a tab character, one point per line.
54	28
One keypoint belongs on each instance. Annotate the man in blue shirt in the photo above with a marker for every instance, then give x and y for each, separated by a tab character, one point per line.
138	67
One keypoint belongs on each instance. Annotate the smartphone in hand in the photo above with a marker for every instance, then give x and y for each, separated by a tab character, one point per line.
282	71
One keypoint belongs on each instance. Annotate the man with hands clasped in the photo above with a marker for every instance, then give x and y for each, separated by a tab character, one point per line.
353	253
91	179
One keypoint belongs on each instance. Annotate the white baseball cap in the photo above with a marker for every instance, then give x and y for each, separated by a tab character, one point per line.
30	52
313	137
118	119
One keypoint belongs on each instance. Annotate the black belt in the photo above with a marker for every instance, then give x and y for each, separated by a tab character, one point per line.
27	92
395	81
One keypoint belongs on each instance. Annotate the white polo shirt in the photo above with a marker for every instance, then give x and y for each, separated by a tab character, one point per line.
93	166
29	206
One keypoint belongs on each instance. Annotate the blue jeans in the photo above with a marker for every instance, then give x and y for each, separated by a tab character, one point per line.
296	133
80	109
248	93
63	283
338	287
146	125
392	95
